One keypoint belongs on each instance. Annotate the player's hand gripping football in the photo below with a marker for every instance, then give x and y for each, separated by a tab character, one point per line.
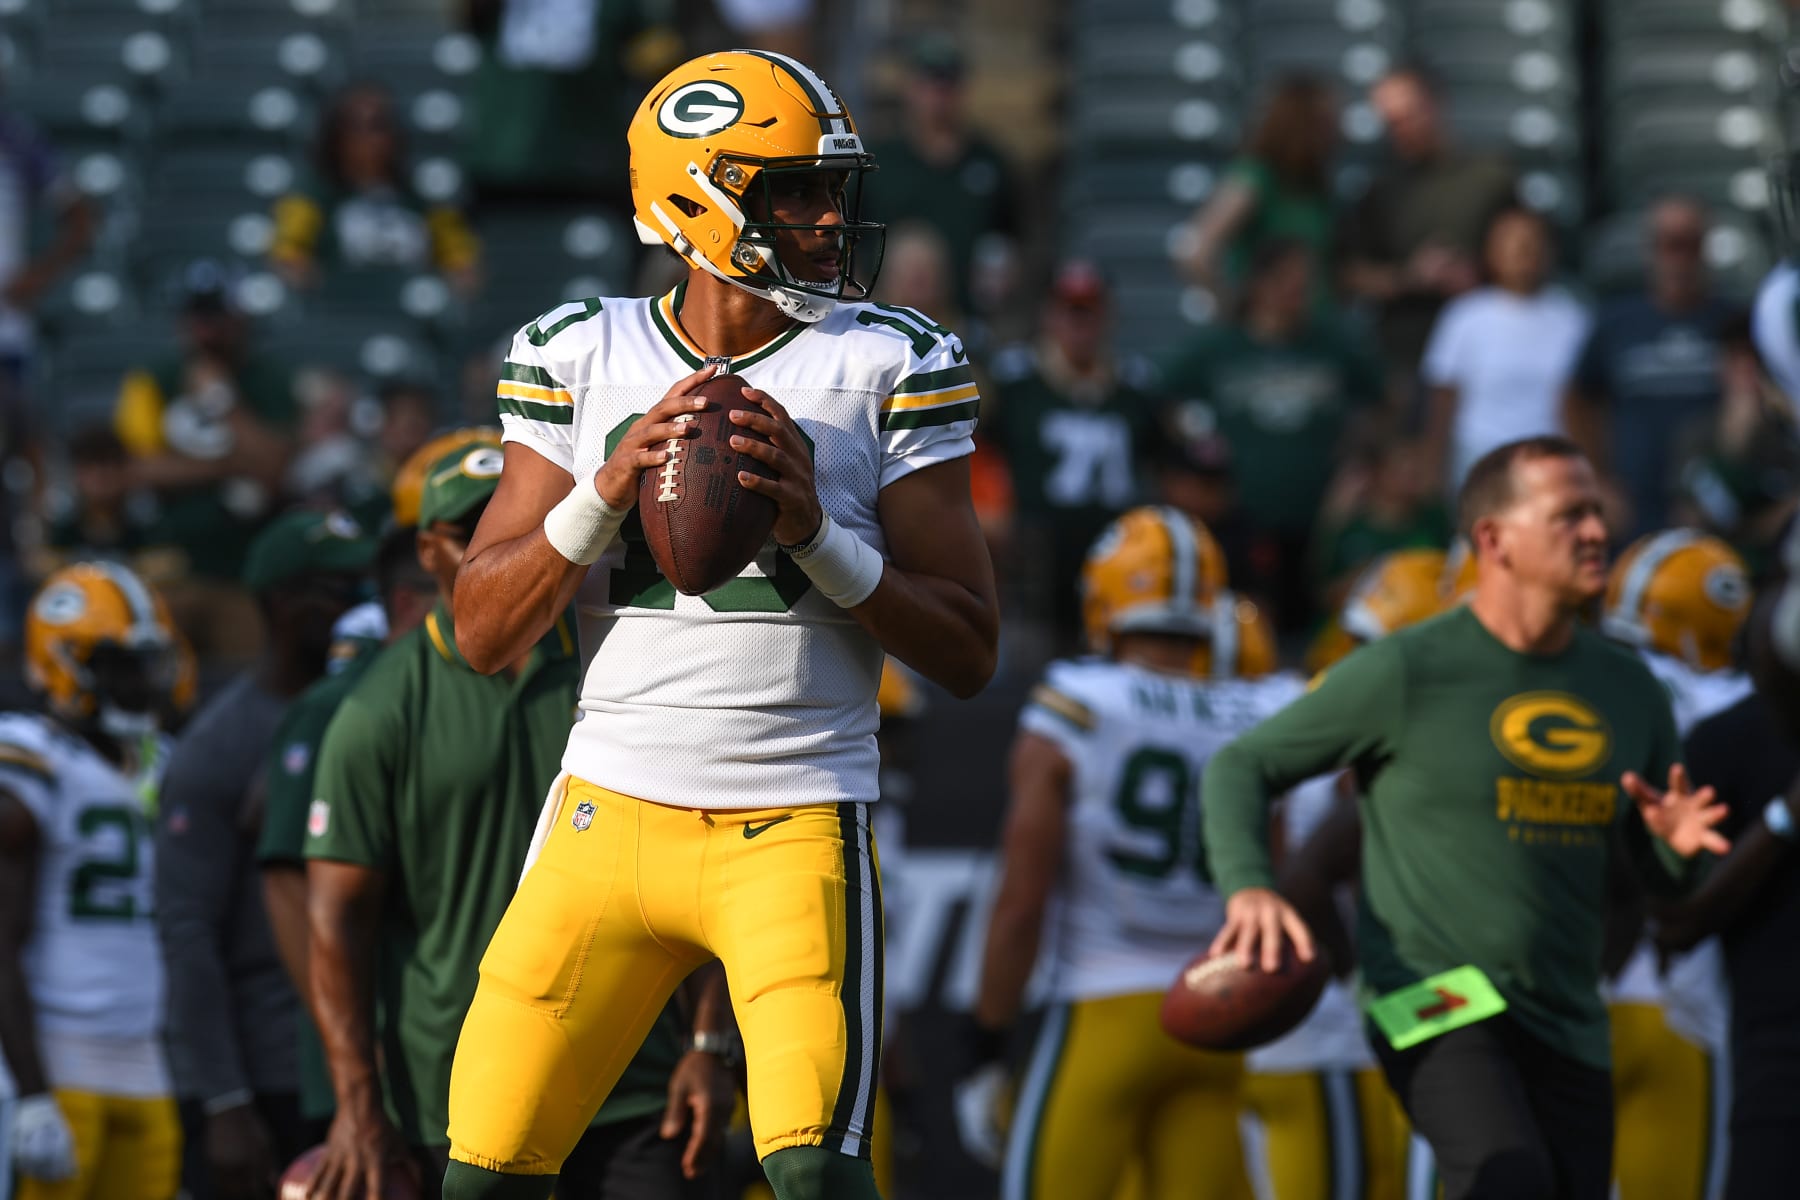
1255	921
1683	816
362	1151
795	493
644	445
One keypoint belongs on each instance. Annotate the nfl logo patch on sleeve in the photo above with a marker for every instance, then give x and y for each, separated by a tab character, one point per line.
584	815
318	818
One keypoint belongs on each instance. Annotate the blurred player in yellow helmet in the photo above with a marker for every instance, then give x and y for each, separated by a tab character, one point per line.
1680	598
1101	880
77	944
1460	567
1396	590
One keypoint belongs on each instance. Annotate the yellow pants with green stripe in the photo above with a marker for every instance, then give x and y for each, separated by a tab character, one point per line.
1111	1106
624	899
1329	1135
126	1148
1667	1113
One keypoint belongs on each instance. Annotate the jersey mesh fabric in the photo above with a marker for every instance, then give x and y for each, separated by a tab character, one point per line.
92	963
762	691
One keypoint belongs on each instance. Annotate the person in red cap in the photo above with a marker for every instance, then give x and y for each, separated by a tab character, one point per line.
1075	423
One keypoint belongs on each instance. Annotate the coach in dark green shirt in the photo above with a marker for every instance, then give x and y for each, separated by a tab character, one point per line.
429	784
1498	748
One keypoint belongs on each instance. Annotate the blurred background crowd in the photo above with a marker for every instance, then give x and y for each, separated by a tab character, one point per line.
1290	266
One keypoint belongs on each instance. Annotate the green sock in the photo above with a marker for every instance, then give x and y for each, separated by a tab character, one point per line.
463	1181
815	1173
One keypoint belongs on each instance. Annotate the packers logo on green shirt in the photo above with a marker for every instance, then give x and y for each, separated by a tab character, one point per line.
1550	734
700	109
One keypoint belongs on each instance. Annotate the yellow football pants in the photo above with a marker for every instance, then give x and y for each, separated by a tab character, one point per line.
1666	1114
1112	1106
126	1148
1328	1135
623	901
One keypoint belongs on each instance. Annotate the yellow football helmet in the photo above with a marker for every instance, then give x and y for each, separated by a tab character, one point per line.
409	480
1400	588
1460	571
101	649
1154	570
1243	640
1680	593
721	125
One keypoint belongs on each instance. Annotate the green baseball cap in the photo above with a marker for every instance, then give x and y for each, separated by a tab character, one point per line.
307	542
459	481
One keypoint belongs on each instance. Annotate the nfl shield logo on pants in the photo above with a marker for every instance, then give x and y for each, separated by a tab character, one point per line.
584	815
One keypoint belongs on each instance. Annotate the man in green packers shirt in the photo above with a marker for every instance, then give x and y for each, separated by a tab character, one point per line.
429	784
1491	745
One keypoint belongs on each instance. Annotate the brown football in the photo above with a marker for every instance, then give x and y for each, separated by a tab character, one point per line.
1217	1004
296	1181
702	525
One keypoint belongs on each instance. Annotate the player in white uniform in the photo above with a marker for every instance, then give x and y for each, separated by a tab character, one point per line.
81	982
1103	880
1680	597
1322	1122
717	783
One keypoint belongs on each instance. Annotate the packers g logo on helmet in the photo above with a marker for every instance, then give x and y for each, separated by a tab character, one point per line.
99	646
697	109
1680	593
709	144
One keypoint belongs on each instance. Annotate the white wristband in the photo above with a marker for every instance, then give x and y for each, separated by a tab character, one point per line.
844	568
582	525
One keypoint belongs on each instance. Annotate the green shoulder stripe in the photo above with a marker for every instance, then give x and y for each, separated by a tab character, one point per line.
1061	705
922	418
935	381
531	410
514	372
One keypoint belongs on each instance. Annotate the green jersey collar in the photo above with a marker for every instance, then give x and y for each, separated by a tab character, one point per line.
440	631
665	314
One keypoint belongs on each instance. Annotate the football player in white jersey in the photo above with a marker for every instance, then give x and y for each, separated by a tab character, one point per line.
1323	1123
718	780
1102	877
81	980
1680	597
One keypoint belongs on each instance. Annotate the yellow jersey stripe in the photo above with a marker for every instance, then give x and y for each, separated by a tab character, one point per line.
908	403
508	390
1067	707
25	760
437	637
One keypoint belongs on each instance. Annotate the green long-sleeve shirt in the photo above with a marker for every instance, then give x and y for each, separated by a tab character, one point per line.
1491	805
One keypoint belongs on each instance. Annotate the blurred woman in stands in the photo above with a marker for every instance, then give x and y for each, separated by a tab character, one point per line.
1278	188
360	212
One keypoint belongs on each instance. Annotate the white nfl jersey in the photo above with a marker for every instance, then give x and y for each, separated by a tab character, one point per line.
1135	901
1331	1037
92	963
1692	991
774	703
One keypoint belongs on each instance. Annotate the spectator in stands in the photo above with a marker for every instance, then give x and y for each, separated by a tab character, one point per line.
360	211
558	80
1500	355
30	184
209	430
1278	187
231	1007
939	170
1195	475
1075	425
102	516
917	272
1745	484
1288	390
779	26
1647	384
1413	241
1384	500
332	466
408	416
